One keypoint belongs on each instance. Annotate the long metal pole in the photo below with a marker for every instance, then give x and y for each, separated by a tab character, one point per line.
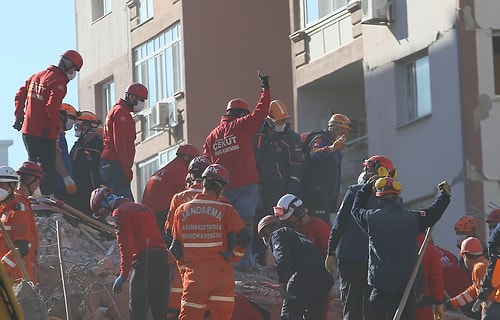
59	250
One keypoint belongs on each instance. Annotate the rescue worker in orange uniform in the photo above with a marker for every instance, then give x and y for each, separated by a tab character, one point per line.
195	170
18	218
168	181
142	250
208	235
472	252
37	112
117	157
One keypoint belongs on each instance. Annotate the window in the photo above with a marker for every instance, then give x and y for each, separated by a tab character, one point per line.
149	167
496	62
158	65
417	81
144	10
100	8
317	9
107	97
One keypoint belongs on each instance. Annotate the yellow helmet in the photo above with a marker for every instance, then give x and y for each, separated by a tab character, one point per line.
277	111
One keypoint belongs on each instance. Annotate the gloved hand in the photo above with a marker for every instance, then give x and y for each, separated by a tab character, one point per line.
117	286
18	124
284	292
23	246
264	80
331	264
477	305
70	185
445	188
438	312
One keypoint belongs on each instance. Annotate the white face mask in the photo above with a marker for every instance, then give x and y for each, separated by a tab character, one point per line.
71	75
37	193
460	239
69	124
3	194
139	106
361	177
279	127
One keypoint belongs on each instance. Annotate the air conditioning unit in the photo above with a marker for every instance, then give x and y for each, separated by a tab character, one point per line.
164	115
376	12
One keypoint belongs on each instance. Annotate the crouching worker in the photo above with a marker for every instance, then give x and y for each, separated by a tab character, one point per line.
208	235
304	281
142	249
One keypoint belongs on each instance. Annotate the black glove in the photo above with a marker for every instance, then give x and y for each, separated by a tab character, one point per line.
264	80
445	188
18	124
23	246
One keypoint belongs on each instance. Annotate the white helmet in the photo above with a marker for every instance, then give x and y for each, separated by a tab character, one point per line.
288	205
7	174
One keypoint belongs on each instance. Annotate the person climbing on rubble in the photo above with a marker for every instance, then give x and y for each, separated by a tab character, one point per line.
352	241
231	145
166	182
18	218
208	235
322	170
85	155
392	255
304	282
472	252
142	250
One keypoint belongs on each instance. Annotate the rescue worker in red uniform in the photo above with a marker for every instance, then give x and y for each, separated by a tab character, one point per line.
142	250
37	105
18	218
168	181
118	154
231	145
208	235
195	170
304	282
85	155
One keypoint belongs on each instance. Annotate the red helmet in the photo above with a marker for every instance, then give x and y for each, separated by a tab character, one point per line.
188	149
471	246
266	221
237	103
137	89
465	224
29	167
96	197
74	57
68	109
217	173
387	185
383	165
198	164
493	216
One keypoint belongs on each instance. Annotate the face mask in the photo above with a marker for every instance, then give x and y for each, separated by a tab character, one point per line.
279	127
361	178
37	193
460	239
69	124
3	194
139	106
71	75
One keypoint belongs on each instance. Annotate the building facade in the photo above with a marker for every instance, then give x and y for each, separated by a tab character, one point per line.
194	56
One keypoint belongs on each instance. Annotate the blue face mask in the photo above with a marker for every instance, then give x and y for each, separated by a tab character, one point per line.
109	201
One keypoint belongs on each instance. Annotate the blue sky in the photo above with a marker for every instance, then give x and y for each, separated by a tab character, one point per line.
34	34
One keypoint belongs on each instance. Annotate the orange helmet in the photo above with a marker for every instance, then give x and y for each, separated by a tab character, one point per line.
74	57
277	111
29	167
471	246
68	109
138	90
382	164
88	117
493	216
465	224
340	120
266	221
387	185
